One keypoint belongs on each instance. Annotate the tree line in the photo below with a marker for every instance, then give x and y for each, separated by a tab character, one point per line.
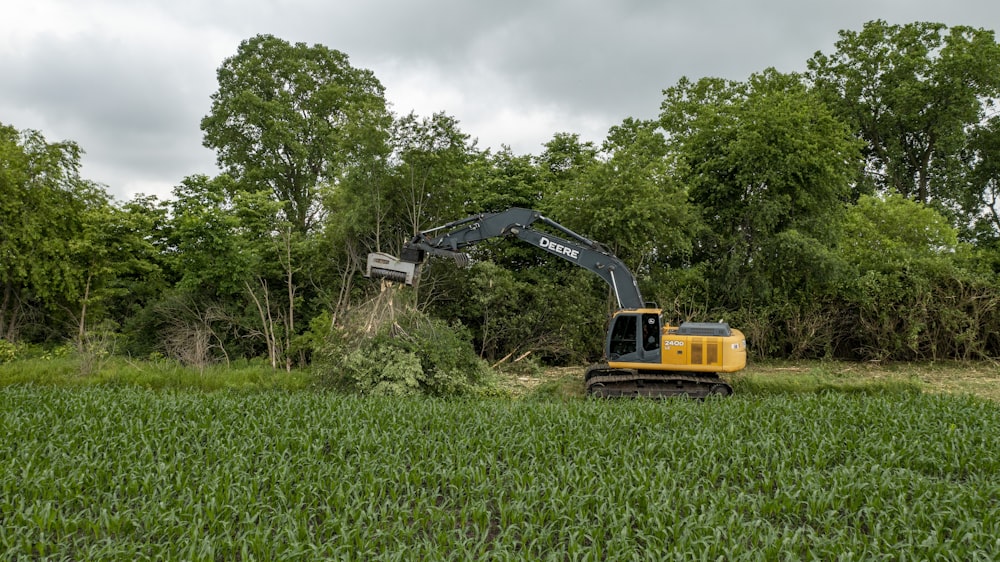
849	211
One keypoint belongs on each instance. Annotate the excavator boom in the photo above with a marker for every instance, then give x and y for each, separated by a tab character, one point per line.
448	240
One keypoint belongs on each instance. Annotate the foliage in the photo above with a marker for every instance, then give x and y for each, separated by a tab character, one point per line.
502	180
981	201
252	293
552	313
280	475
769	166
912	298
913	92
431	161
381	368
387	347
889	233
847	213
62	241
288	118
426	176
631	198
9	351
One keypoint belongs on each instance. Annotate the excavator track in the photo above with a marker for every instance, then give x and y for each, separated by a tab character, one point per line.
605	382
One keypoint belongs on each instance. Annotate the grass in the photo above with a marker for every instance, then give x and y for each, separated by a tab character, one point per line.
66	371
980	379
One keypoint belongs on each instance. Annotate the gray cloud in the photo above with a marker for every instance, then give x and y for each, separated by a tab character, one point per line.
130	80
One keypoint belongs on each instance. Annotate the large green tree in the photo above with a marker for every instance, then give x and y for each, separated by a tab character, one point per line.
288	119
430	165
566	158
53	254
629	199
770	167
982	200
502	179
912	92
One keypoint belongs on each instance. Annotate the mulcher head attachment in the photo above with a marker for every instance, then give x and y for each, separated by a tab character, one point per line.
407	269
385	266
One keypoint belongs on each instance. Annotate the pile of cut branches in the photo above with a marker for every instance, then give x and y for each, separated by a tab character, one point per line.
388	346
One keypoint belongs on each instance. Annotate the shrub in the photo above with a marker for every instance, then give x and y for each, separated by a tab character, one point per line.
378	367
8	351
379	349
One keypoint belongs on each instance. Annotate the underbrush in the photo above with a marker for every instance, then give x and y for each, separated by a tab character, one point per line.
388	347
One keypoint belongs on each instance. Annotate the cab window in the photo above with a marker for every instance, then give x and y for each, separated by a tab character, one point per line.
623	335
650	332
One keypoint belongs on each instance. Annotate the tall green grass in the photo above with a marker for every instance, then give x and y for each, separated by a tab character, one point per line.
125	473
818	381
66	371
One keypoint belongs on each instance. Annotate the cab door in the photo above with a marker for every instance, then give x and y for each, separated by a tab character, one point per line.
634	338
651	336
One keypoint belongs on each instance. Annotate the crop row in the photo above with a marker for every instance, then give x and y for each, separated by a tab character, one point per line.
99	473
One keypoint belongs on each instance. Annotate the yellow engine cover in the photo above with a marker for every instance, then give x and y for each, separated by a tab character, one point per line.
699	354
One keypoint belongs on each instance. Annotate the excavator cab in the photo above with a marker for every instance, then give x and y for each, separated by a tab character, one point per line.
635	337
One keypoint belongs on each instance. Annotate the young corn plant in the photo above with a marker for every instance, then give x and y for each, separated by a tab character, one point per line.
125	472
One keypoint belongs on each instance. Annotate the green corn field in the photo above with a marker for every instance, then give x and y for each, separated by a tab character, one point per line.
103	473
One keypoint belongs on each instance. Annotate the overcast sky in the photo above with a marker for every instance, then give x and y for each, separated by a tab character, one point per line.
130	80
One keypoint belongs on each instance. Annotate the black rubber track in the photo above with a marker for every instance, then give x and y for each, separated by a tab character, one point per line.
605	382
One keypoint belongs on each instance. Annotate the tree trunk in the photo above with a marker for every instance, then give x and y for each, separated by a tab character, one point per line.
81	333
7	320
290	324
265	321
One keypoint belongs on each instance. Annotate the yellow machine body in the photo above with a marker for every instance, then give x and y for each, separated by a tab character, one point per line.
690	347
696	354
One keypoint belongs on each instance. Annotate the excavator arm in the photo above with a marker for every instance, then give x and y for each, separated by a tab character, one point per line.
450	239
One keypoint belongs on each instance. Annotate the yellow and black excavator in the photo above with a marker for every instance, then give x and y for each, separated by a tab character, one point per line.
644	355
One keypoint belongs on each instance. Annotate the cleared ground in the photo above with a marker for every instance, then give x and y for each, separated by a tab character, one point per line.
980	379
